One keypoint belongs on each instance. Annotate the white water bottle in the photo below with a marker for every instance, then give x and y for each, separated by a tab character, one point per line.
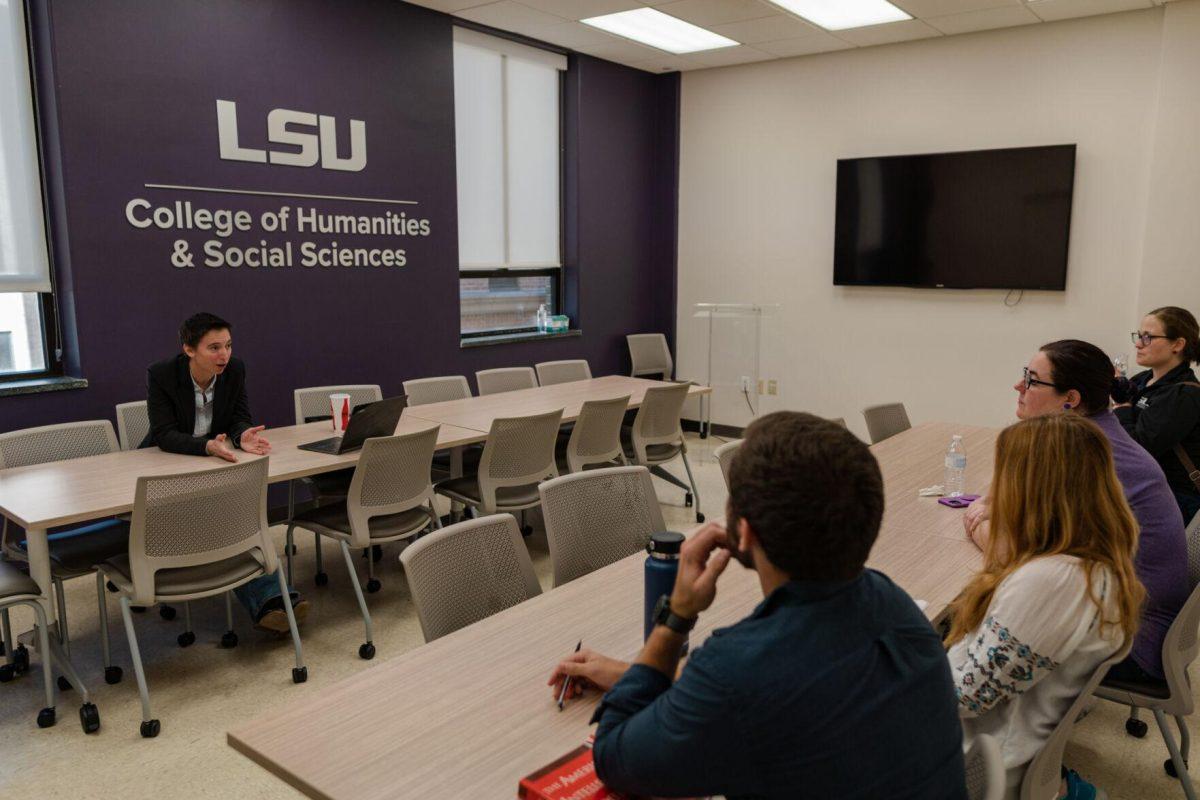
956	468
542	317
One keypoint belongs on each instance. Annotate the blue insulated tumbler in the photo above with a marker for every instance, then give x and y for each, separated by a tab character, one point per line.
661	568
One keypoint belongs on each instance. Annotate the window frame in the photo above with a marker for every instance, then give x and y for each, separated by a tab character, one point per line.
554	273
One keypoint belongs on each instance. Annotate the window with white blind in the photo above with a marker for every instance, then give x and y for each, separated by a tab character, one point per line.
508	110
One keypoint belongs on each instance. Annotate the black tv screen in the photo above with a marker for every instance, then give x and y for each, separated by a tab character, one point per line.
986	219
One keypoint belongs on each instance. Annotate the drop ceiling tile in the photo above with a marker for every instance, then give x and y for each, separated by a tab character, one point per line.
727	56
940	8
508	15
450	6
1051	10
766	29
582	9
819	42
984	20
888	32
668	63
572	35
716	12
624	51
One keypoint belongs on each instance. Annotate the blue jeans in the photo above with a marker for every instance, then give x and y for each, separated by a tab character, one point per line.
260	591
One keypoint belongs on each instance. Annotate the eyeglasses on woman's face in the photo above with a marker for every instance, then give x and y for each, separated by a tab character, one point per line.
1031	381
1144	338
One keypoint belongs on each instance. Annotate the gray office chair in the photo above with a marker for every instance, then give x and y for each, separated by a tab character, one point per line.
133	424
656	438
839	420
390	499
598	517
466	572
985	769
552	372
518	455
885	421
421	391
505	379
724	455
595	438
1174	696
650	356
193	535
73	553
1043	776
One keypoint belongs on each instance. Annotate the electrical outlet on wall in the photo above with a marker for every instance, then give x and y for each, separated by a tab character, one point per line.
760	386
746	383
772	386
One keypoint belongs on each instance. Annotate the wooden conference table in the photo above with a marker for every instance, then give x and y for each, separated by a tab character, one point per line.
469	714
45	496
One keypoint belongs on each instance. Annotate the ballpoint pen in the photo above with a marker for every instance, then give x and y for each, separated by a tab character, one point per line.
562	695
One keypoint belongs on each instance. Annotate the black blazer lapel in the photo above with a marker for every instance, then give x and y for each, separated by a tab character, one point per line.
185	395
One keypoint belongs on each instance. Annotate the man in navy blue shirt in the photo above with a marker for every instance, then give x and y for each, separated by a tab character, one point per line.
835	686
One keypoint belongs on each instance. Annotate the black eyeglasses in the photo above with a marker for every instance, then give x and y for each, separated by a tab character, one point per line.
1145	338
1033	381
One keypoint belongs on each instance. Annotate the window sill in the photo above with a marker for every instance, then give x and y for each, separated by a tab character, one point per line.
506	338
39	385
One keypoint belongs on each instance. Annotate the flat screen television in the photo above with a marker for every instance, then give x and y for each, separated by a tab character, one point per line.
984	219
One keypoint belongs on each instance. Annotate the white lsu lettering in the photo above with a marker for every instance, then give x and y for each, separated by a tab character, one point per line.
281	130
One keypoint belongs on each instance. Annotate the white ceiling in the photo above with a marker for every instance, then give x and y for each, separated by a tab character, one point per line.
764	30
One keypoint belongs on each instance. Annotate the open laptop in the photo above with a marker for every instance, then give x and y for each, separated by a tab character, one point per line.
368	420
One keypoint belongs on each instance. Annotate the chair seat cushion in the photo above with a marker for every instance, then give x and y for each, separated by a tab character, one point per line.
188	580
656	453
334	519
466	490
331	484
79	550
1149	688
15	583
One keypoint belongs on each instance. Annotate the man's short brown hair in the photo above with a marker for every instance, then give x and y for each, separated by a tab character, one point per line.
811	491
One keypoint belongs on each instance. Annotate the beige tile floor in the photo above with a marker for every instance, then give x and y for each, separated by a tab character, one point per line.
202	691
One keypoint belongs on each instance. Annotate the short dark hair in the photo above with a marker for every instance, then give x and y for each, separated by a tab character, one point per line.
1178	323
194	327
1085	368
811	491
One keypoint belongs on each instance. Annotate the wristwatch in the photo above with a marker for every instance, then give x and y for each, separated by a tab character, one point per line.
664	616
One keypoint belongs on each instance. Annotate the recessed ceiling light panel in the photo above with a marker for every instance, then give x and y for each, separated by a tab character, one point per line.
654	28
838	15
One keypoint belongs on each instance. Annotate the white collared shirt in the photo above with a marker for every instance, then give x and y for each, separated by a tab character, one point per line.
204	407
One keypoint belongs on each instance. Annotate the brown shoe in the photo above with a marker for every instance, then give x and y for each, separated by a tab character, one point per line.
276	620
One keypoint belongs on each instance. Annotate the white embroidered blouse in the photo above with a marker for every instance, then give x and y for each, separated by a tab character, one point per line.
1038	645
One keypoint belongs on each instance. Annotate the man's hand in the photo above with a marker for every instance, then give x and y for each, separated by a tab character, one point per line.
702	559
219	447
587	669
253	442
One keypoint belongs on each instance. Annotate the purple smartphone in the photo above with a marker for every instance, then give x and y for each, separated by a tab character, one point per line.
962	501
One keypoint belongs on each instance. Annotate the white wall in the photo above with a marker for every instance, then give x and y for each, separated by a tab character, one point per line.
759	145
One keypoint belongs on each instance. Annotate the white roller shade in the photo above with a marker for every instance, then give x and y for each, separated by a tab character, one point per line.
479	147
24	262
533	144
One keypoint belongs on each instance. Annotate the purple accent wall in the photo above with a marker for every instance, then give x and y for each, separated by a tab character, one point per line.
127	92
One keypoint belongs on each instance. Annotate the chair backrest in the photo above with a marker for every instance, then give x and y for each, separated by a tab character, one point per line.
649	355
314	400
838	420
657	420
597	517
885	421
1044	773
60	442
552	372
519	451
195	518
724	455
435	390
985	769
133	424
1180	645
505	379
392	476
596	437
466	572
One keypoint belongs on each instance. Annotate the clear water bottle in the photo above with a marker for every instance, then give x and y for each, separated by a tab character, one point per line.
542	318
956	468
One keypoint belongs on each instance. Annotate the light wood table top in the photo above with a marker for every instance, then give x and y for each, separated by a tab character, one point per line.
469	714
80	489
477	413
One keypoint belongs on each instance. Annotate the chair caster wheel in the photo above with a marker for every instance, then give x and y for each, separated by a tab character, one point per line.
167	613
1136	728
229	640
112	587
186	639
527	531
687	500
1169	767
377	553
46	718
150	728
366	651
89	718
20	662
7	673
295	550
299	674
64	685
321	579
699	517
374	585
113	675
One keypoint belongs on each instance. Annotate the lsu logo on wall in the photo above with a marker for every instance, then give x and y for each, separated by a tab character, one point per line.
317	144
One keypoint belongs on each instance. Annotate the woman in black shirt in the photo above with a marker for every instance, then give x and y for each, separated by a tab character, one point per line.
1163	412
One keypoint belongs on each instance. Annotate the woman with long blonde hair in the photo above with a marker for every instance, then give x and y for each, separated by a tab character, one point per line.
1057	594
